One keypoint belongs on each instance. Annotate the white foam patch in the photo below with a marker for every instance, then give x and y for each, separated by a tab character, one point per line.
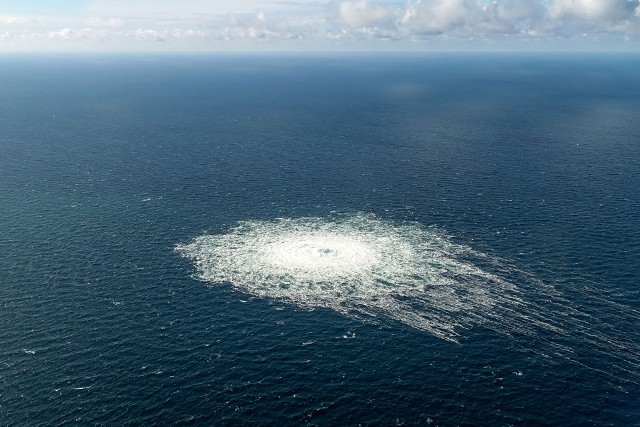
372	269
359	266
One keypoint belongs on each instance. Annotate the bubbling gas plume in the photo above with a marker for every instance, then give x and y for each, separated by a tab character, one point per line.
377	270
359	266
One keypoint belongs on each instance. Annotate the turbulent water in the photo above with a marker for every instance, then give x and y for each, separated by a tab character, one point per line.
357	265
320	240
367	268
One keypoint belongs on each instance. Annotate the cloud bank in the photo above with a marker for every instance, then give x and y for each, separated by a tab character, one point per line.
327	25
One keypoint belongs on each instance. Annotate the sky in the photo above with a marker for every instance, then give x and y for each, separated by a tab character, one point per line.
318	25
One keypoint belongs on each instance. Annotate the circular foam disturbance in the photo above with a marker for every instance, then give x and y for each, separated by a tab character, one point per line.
358	265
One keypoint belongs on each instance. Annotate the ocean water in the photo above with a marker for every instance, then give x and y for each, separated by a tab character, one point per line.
320	240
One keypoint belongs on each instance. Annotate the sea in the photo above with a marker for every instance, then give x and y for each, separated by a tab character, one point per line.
320	239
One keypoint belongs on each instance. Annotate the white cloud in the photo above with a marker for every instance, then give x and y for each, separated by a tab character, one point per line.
145	34
598	11
362	13
64	34
178	9
330	24
513	17
94	22
437	16
181	34
14	20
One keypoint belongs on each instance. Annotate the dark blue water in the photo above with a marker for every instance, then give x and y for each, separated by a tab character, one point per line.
107	163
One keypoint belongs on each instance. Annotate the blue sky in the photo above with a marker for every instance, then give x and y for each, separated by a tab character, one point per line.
216	25
41	6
